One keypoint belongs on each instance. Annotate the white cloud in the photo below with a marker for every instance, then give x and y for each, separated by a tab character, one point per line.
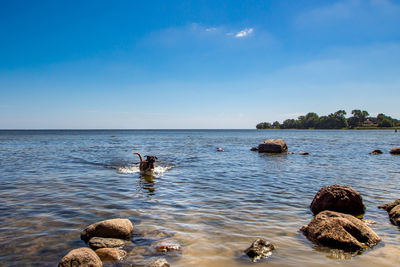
244	33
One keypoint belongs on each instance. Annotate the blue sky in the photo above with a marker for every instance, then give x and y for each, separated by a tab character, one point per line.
194	64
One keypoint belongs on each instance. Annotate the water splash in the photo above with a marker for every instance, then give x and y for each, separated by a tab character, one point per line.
158	170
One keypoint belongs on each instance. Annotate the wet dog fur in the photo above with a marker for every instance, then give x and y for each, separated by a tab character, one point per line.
146	166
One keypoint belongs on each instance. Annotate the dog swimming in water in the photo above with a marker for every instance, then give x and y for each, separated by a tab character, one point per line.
146	166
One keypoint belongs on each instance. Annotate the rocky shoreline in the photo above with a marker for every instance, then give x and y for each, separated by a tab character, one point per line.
337	224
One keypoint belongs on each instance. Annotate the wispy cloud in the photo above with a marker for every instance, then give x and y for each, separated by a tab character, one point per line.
244	33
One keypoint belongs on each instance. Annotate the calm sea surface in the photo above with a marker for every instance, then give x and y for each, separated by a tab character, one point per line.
55	183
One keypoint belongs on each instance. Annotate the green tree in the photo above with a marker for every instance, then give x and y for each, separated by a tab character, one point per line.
263	125
358	117
384	121
276	125
289	124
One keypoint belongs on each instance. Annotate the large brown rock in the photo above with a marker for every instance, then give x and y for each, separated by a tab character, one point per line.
393	208
395	151
80	257
341	231
113	228
260	249
338	198
273	146
110	254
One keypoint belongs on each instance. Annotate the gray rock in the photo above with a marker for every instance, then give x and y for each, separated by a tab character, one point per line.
81	257
113	228
341	231
165	246
260	249
338	198
273	146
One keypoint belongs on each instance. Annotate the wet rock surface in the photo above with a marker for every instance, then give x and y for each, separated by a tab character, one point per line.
304	153
102	242
341	231
393	209
273	146
338	198
259	249
376	152
113	228
395	151
80	257
254	148
160	262
165	246
111	254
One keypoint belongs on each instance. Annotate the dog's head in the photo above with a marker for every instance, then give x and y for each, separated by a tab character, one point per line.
151	159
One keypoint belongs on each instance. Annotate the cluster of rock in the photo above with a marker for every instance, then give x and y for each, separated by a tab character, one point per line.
393	151
279	146
109	241
335	224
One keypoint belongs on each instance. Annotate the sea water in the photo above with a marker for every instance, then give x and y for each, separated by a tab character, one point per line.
54	183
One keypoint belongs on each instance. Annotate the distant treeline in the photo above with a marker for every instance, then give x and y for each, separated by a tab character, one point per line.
337	120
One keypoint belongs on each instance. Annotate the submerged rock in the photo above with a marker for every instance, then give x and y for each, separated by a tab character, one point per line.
393	209
376	152
338	198
304	153
103	242
219	149
273	146
80	257
339	230
160	262
113	228
254	148
260	249
395	151
165	246
111	254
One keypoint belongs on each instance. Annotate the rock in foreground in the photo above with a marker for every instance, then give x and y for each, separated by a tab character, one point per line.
341	231
113	228
260	249
273	146
395	151
110	254
338	198
81	257
102	242
161	262
393	208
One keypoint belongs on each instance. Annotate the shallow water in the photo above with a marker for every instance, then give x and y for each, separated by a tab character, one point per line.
55	183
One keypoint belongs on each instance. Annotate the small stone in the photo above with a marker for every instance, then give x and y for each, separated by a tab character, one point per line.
254	148
219	149
81	257
160	262
102	242
390	205
165	246
376	152
394	215
111	254
260	249
304	153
